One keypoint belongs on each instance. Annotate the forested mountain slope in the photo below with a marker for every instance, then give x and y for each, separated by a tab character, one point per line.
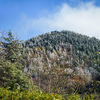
82	46
71	53
57	62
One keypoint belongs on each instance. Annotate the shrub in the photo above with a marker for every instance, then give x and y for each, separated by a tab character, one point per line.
31	94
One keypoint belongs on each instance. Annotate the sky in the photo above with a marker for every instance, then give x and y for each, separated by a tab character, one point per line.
30	18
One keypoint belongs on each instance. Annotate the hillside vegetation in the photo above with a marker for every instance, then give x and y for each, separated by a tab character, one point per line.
55	66
81	48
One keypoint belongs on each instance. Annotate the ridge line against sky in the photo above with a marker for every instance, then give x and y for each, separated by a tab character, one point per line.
29	18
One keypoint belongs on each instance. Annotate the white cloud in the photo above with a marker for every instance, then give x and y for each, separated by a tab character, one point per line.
84	19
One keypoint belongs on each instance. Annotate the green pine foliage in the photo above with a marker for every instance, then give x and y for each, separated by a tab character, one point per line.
13	77
11	74
11	48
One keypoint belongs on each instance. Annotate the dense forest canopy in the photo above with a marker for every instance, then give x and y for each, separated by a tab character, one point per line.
80	43
83	47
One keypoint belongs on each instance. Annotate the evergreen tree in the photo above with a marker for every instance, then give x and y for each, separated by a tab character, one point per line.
11	64
11	48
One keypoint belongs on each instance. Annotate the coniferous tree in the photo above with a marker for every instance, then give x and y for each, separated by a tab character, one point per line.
11	64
